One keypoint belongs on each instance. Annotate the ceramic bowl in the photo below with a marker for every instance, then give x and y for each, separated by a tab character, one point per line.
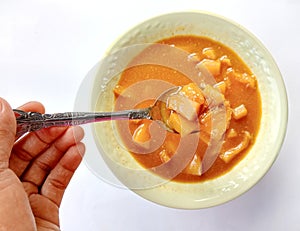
111	161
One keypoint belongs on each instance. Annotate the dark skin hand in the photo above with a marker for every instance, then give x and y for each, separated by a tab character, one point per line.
35	171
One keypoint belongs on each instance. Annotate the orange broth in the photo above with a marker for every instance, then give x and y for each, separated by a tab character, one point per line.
241	89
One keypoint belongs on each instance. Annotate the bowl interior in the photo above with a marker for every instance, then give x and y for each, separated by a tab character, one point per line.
111	161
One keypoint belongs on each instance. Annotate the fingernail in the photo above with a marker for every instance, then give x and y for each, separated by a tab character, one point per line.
4	106
81	149
78	133
1	105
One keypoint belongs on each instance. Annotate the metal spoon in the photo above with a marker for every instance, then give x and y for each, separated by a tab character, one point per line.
33	121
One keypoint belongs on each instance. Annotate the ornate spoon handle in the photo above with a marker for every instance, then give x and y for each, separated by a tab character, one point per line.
33	121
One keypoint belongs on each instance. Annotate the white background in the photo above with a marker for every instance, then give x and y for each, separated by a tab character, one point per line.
46	49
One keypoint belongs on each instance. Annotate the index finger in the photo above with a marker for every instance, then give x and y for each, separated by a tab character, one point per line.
33	106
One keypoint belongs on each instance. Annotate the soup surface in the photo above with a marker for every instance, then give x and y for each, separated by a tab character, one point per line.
153	71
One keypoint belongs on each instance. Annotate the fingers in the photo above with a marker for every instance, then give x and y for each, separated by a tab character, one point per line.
20	158
45	211
49	158
32	145
59	178
7	132
61	159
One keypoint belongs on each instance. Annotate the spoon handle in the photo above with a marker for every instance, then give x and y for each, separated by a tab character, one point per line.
33	121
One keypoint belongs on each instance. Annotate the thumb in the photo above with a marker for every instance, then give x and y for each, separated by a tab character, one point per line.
7	132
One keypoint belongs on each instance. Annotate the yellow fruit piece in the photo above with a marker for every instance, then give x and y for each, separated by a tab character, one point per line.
193	92
239	112
209	53
213	66
142	135
174	122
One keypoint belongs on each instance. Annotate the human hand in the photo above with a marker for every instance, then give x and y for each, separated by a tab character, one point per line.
35	171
